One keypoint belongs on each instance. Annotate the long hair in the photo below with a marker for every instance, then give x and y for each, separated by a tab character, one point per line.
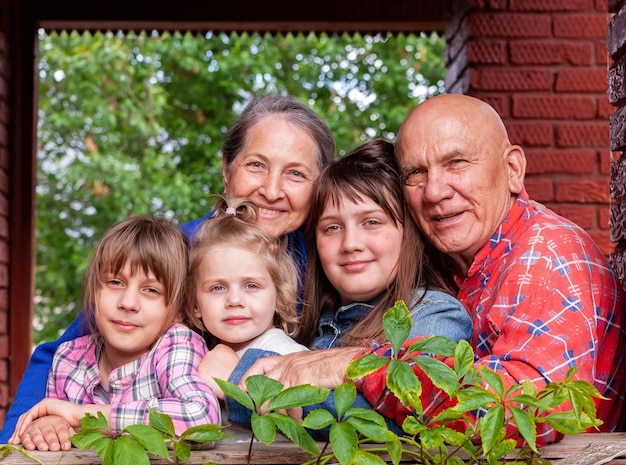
238	228
368	172
147	244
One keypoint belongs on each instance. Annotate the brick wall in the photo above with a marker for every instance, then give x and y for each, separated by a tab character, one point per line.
5	70
616	45
543	65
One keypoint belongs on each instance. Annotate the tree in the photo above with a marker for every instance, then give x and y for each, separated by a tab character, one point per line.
133	124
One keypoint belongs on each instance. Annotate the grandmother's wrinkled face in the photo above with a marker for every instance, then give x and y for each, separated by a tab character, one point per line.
276	169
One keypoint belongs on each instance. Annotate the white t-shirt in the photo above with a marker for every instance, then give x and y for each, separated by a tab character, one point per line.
274	340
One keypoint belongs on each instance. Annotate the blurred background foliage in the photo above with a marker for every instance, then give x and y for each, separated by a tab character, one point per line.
133	123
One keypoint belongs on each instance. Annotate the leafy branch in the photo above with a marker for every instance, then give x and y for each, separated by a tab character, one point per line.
477	420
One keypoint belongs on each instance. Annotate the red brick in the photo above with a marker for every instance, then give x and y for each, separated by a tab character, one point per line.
582	135
603	241
548	5
4	397
583	216
582	191
550	53
588	25
605	162
539	189
582	80
558	161
605	109
510	79
604	217
487	51
498	101
554	107
509	25
602	55
601	5
530	133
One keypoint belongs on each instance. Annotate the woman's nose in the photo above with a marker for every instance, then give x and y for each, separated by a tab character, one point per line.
272	188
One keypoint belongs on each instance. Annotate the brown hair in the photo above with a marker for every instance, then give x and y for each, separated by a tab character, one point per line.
240	230
147	244
369	171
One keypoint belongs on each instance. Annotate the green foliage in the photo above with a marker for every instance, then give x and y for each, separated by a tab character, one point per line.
354	433
134	123
475	430
132	445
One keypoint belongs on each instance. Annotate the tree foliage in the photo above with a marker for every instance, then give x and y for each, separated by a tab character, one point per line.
132	124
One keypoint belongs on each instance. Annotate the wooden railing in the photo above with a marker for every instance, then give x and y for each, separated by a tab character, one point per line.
583	449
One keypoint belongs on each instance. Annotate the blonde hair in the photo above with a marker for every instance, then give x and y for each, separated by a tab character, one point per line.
147	244
234	224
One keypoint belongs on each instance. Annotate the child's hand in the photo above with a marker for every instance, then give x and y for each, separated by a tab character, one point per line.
71	413
49	433
218	363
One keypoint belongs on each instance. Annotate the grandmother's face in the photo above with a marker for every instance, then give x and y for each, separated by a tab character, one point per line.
276	169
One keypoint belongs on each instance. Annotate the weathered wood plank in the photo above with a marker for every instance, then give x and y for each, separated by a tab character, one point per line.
601	448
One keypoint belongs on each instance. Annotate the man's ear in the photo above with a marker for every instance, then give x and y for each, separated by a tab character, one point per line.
516	163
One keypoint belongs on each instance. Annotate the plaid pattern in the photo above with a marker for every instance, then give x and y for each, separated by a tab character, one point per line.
543	299
165	378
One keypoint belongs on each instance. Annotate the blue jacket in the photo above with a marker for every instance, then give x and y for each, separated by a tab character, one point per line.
32	388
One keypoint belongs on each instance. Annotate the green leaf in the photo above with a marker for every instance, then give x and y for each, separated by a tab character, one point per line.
261	389
412	426
493	379
436	345
162	422
397	323
431	439
525	425
86	439
295	432
365	365
234	392
182	450
263	428
366	414
318	419
94	423
394	449
149	438
129	451
463	358
344	397
473	398
109	453
344	441
205	433
362	457
440	374
298	396
372	431
491	426
403	382
568	423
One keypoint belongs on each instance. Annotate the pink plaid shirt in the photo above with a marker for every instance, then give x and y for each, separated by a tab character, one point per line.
165	378
543	299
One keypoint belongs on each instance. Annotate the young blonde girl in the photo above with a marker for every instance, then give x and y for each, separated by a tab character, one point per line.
243	288
138	354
